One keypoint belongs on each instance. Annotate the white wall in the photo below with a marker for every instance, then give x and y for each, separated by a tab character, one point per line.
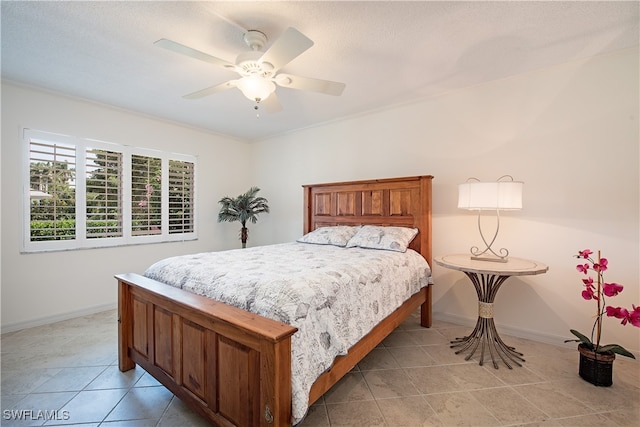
42	287
570	133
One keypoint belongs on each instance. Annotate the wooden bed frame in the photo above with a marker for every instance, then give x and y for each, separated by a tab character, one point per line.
234	367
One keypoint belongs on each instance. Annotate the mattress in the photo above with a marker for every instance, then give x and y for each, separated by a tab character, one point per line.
333	295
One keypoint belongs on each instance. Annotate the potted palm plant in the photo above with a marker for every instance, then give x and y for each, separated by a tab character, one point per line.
244	208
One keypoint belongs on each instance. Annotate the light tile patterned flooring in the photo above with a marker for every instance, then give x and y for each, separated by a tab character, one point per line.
69	370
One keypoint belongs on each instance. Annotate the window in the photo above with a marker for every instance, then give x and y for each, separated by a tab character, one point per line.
52	178
181	177
146	200
83	193
103	193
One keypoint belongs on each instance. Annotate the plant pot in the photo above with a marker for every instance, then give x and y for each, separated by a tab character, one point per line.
596	368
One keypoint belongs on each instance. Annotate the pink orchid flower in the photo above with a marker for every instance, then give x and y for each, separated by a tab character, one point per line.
588	294
585	254
602	265
583	268
611	289
634	316
618	313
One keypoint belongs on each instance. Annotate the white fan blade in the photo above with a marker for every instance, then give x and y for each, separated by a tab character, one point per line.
286	48
307	83
271	104
211	90
186	50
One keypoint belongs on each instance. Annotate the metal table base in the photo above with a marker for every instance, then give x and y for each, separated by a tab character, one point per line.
484	335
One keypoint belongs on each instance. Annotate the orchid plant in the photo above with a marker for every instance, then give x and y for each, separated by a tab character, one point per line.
598	291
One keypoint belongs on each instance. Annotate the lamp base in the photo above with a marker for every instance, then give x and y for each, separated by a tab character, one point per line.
489	258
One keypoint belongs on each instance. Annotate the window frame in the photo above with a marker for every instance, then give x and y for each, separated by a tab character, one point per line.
81	241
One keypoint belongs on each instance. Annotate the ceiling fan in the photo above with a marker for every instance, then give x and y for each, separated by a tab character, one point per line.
259	70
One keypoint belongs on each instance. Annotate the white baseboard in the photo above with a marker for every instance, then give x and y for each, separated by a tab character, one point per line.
509	330
12	327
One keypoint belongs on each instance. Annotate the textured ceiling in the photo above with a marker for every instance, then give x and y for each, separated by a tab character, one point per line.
385	52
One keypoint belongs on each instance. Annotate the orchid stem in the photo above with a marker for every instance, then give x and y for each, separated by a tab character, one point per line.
599	313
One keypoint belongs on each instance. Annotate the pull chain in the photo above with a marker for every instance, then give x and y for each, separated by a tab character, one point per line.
257	106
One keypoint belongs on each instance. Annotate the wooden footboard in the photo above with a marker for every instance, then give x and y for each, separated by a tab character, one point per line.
229	365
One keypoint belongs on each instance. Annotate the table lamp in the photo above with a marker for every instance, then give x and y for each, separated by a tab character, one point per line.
503	194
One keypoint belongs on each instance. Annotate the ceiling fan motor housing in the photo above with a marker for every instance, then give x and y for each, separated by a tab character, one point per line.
249	64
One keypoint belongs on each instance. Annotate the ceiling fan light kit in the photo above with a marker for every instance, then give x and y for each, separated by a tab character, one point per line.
258	70
255	87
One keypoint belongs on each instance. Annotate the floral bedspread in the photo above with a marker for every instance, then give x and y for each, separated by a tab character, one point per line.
333	295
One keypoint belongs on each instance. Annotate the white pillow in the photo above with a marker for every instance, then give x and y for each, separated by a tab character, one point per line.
337	235
386	238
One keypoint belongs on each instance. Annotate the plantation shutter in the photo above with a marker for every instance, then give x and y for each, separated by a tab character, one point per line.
146	195
52	199
181	180
103	193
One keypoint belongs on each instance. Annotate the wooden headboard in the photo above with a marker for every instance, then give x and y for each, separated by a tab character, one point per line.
404	202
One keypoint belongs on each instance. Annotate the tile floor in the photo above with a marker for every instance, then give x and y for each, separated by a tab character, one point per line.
66	374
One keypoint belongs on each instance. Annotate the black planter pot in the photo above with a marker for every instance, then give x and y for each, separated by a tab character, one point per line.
596	368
